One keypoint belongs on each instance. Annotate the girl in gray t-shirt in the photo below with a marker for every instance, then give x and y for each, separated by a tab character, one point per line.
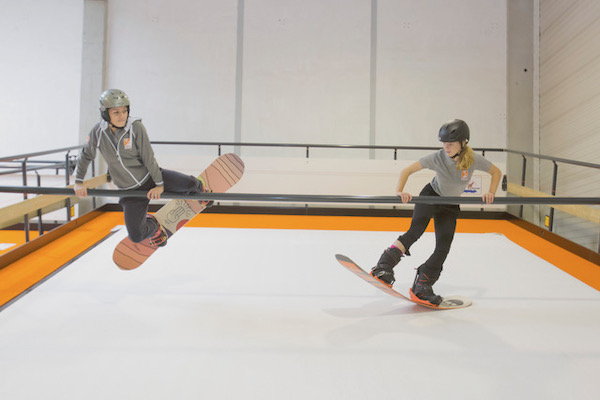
453	166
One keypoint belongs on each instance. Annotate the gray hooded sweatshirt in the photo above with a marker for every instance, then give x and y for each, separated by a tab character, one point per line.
127	152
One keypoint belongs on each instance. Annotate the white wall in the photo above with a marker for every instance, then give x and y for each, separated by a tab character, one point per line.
40	71
176	61
306	70
320	71
439	60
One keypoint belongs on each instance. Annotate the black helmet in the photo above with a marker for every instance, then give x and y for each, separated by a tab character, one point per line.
456	130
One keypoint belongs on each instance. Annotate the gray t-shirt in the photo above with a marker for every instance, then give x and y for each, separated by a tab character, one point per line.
449	181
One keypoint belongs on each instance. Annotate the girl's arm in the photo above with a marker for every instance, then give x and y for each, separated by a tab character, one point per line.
496	174
404	174
85	157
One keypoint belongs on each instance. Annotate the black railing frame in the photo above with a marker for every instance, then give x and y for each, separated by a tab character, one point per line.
25	158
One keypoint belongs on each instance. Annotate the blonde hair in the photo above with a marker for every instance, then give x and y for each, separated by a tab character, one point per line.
465	160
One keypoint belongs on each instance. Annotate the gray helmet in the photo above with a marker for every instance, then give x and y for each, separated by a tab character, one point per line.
112	98
456	130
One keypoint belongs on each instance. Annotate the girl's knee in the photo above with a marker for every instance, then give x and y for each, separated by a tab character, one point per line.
137	233
136	237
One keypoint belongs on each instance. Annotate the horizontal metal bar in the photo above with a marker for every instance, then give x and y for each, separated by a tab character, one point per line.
372	147
40	153
20	170
304	198
562	160
316	146
35	162
328	146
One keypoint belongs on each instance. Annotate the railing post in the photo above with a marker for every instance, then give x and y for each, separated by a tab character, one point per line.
523	173
67	183
93	175
307	156
26	217
554	179
39	212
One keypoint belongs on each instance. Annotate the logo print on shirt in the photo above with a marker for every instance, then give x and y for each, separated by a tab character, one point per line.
464	175
127	143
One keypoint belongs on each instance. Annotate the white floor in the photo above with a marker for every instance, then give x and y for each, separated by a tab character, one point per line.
269	314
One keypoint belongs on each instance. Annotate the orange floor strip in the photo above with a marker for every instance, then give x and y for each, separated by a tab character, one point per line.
18	277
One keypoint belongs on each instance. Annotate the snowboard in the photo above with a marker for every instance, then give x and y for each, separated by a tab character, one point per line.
447	302
219	177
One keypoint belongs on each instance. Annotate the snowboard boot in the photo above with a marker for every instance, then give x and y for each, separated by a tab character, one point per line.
160	236
205	189
384	270
422	290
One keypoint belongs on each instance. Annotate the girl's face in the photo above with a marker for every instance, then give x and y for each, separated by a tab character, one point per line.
451	148
118	116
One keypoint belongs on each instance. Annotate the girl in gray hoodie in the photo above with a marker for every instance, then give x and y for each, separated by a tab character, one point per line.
124	144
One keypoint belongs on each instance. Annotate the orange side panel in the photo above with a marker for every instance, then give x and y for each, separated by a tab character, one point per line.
16	238
25	273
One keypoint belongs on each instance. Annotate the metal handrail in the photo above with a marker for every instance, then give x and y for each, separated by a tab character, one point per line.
372	147
24	159
313	145
557	159
39	153
303	198
55	165
316	146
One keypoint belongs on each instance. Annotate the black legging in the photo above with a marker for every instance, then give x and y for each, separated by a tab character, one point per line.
444	217
135	208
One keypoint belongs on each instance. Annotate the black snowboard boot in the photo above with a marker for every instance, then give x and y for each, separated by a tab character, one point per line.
384	270
160	236
422	289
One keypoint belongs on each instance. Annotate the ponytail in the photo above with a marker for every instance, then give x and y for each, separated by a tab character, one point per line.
466	159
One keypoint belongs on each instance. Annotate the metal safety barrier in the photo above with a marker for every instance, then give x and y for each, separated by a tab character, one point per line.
304	198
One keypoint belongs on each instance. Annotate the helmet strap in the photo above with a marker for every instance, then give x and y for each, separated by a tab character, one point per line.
106	117
118	127
462	148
